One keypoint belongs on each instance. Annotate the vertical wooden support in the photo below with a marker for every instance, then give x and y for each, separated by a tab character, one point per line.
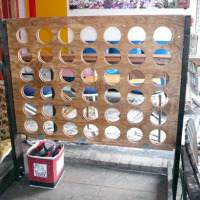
160	114
181	103
17	152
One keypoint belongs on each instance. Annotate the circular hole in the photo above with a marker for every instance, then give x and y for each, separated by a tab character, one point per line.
112	76
67	74
49	110
135	116
162	35
25	55
30	108
112	115
70	129
45	55
112	35
136	56
112	56
90	94
28	91
112	96
160	78
68	93
136	35
89	55
23	35
90	113
159	99
50	127
158	117
66	55
69	112
44	35
27	74
135	97
46	74
91	131
48	92
112	132
161	57
31	126
136	78
66	35
157	136
134	134
88	35
89	75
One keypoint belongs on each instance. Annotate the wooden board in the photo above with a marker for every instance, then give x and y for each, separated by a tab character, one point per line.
195	59
193	81
100	24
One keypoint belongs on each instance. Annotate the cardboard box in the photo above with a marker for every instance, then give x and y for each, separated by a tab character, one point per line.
45	171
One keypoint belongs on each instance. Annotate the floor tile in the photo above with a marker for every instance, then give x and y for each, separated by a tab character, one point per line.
135	181
84	174
71	191
22	191
83	183
107	193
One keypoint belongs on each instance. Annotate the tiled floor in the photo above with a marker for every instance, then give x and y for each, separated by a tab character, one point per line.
92	183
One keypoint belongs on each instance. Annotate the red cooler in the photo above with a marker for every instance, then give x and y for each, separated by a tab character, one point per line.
45	171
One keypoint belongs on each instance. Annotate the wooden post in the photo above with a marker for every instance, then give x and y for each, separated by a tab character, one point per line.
17	151
181	104
160	115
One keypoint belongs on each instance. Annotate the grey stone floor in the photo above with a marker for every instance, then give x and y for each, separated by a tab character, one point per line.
93	183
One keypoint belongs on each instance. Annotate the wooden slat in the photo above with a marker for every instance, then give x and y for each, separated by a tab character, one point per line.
195	59
67	97
191	139
68	110
192	184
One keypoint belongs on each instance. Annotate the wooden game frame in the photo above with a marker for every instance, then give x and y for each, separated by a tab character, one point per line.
149	23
